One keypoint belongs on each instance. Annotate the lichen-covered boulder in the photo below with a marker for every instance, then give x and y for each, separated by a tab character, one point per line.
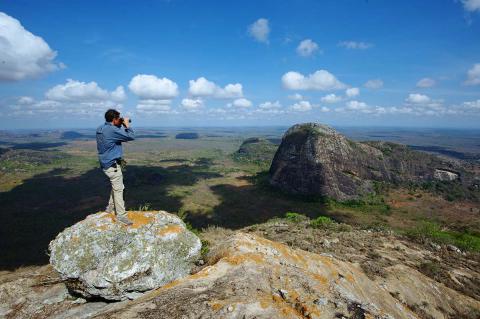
101	257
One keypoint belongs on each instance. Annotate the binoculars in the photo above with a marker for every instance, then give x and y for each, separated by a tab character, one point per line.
122	120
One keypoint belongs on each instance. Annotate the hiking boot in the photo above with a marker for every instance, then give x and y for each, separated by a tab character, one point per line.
124	220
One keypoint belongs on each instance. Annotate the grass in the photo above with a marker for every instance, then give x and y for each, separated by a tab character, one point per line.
370	203
428	230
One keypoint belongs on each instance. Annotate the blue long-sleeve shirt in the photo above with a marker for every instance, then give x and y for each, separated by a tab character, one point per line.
109	143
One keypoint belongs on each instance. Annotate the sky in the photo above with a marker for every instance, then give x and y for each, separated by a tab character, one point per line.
240	63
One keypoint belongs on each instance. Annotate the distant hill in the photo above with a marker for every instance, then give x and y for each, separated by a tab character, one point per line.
314	159
257	150
71	135
187	136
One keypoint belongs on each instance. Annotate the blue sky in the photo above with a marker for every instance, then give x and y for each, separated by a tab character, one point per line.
233	63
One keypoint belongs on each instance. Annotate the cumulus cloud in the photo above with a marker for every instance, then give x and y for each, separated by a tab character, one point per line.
331	98
356	105
301	106
296	97
474	105
307	48
25	100
473	75
242	103
426	83
206	88
152	107
76	91
416	98
352	92
259	30
270	105
355	45
471	5
320	80
373	84
192	104
151	87
23	54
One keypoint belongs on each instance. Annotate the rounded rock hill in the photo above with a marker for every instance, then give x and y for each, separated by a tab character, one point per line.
314	159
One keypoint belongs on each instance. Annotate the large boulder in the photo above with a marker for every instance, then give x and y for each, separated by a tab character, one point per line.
314	159
252	277
100	257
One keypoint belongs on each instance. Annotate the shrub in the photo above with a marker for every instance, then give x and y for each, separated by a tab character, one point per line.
294	217
433	231
321	221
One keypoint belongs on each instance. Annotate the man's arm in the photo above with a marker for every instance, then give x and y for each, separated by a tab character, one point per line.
123	135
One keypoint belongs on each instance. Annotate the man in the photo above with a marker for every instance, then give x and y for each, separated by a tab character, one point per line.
109	145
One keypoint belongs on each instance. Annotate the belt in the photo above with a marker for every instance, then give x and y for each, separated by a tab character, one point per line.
117	161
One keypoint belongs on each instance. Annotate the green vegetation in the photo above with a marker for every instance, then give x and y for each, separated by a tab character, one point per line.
294	217
370	203
321	221
432	231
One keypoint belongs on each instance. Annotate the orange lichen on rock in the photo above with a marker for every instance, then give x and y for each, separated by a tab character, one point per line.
102	227
139	219
283	250
216	306
111	216
170	229
239	259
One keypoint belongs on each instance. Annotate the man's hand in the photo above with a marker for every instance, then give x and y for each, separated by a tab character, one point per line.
126	122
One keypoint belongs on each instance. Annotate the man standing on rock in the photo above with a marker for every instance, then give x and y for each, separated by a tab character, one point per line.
109	145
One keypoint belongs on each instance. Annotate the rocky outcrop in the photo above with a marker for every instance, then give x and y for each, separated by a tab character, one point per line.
252	277
257	150
100	257
248	276
314	159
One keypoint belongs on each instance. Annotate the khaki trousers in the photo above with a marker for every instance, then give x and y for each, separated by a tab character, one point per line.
116	203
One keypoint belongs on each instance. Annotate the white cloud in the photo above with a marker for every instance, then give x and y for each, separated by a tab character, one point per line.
260	30
192	104
119	94
23	55
76	91
352	92
416	98
355	45
25	100
472	105
242	103
160	107
373	84
331	98
426	83
471	5
296	97
151	87
320	80
206	88
307	48
356	105
301	106
270	105
473	75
